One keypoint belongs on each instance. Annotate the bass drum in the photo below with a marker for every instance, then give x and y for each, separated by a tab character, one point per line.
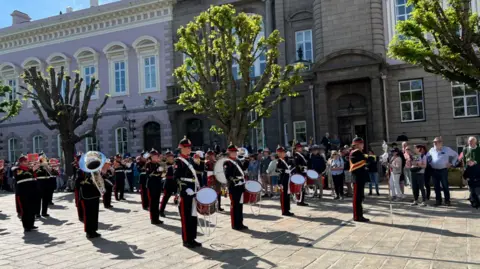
219	172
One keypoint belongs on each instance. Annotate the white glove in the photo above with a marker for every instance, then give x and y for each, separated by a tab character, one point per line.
240	183
160	169
288	172
189	192
304	169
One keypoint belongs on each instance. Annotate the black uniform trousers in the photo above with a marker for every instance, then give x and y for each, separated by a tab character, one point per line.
90	214
236	208
53	186
285	196
43	197
130	181
154	191
27	203
169	189
358	196
119	188
107	196
189	222
78	203
144	191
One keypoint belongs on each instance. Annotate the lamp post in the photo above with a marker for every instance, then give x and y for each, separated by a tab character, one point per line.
130	122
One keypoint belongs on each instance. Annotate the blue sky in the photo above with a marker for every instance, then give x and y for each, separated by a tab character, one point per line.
39	9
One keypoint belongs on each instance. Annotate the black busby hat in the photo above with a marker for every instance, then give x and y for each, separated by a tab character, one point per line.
357	140
169	153
153	152
280	148
232	148
185	143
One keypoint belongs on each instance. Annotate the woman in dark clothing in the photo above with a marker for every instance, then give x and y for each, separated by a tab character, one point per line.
372	167
418	174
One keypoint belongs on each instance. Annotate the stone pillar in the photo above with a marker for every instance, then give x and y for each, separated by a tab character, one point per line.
321	113
318	32
268	17
175	125
377	121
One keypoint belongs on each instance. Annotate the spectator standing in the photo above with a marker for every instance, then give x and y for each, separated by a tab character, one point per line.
272	172
346	170
395	173
441	158
419	164
372	167
335	142
317	162
326	141
407	154
336	165
253	167
472	151
264	162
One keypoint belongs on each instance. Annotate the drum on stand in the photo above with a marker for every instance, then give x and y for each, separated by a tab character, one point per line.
296	183
312	177
252	192
206	201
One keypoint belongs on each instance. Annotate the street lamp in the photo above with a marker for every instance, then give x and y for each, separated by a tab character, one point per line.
131	122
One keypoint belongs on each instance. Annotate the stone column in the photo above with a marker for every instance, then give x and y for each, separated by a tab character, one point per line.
377	121
268	17
321	113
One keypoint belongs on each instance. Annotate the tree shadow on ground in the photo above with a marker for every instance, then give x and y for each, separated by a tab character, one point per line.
431	230
53	221
261	217
325	220
232	257
4	216
39	238
121	250
119	210
108	227
278	237
69	197
3	232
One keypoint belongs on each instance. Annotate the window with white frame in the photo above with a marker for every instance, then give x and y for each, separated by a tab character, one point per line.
9	75
300	131
57	61
27	64
117	55
13	150
12	83
396	11
121	140
303	40
465	100
148	49
403	11
87	60
462	141
91	144
37	144
411	100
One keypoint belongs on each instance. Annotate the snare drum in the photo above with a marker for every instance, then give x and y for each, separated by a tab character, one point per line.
312	177
296	183
252	192
206	201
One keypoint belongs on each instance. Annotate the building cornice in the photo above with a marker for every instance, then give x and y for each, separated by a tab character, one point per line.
89	22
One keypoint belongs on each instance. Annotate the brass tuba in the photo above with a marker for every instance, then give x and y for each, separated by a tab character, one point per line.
242	154
92	162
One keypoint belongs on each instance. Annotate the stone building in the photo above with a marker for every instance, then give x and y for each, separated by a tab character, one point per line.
352	86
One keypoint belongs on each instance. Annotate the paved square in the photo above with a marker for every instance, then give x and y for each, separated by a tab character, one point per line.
320	236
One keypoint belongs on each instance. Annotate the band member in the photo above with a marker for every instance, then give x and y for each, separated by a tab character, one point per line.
170	186
301	164
79	177
120	178
141	165
90	201
283	168
236	180
155	172
360	176
200	167
184	174
212	182
54	173
27	191
129	171
42	174
107	174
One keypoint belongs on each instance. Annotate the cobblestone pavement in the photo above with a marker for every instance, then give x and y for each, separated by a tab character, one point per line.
320	236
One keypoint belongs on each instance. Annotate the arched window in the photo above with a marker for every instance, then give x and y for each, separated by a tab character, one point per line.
29	63
121	140
37	144
9	74
13	150
91	144
147	49
87	60
117	55
57	60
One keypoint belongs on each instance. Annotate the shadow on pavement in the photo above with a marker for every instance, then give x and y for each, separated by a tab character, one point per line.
119	210
232	257
424	229
325	220
4	216
120	249
57	207
39	238
108	227
53	221
278	237
67	196
261	217
3	232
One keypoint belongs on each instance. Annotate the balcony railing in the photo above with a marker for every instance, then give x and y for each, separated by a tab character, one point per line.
173	92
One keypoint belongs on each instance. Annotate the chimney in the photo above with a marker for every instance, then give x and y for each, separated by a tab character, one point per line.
93	3
69	9
19	17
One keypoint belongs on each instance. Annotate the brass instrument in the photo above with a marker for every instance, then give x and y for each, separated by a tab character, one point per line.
93	162
242	154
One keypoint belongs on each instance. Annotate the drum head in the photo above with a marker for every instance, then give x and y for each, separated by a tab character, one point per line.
312	174
206	196
297	179
219	172
253	186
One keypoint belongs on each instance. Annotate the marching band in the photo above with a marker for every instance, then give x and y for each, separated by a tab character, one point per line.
197	184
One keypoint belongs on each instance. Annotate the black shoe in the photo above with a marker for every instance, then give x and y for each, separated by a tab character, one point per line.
438	203
362	220
369	193
378	194
336	198
302	204
162	214
123	199
196	244
27	230
265	196
34	228
51	203
244	227
236	229
156	222
448	203
93	235
221	209
288	214
188	244
45	215
145	208
37	216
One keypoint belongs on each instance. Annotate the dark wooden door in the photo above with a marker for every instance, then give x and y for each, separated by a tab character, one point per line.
152	137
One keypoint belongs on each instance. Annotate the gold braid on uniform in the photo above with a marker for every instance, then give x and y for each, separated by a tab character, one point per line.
356	160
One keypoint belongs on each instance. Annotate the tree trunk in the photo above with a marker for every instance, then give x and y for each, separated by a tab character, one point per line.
68	155
236	138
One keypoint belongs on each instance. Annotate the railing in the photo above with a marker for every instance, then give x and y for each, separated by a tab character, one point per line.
173	92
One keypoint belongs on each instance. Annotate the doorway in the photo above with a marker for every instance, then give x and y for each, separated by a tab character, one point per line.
152	137
195	132
351	126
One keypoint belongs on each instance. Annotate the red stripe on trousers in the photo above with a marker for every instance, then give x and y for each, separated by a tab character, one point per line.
184	221
76	197
232	215
20	205
355	201
281	201
163	198
84	216
149	204
141	193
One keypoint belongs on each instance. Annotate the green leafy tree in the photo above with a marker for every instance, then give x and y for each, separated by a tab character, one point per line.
443	40
63	108
9	107
216	41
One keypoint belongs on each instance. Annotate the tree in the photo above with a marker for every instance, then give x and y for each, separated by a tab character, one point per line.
61	108
443	41
9	107
221	46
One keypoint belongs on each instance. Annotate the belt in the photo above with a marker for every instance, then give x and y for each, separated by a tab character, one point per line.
441	169
143	173
237	179
43	177
25	180
119	171
187	179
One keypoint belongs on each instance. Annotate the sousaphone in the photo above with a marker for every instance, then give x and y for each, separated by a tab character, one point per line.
92	162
